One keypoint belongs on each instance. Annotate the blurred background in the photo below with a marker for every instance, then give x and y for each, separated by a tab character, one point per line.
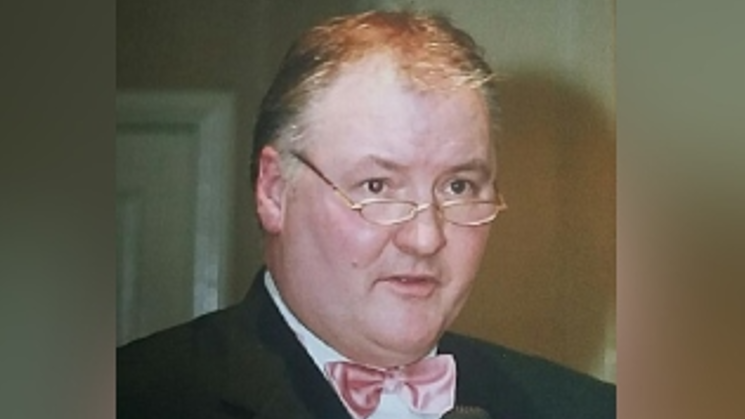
189	78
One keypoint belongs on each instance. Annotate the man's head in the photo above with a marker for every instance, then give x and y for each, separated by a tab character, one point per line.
368	110
428	51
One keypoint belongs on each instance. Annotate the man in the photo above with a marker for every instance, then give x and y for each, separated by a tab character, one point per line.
375	178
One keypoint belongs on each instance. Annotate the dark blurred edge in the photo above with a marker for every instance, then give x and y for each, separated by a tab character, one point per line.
56	229
681	200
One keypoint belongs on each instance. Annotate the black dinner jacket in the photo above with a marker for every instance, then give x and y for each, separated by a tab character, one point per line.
245	362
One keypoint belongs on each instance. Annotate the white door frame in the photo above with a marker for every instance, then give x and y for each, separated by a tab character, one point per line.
212	116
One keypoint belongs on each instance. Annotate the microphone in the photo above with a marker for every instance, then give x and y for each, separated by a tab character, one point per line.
467	412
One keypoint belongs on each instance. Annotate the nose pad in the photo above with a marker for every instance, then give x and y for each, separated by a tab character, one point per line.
424	234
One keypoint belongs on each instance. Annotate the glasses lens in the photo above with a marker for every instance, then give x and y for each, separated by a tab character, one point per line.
386	212
470	213
466	213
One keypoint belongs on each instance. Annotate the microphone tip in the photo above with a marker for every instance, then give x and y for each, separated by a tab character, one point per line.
467	412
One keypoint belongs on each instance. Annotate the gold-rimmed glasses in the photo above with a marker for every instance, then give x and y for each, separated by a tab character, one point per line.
386	212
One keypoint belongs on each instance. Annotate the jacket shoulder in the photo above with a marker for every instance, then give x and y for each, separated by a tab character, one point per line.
181	344
180	371
552	390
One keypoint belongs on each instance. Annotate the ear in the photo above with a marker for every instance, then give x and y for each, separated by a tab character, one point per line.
270	189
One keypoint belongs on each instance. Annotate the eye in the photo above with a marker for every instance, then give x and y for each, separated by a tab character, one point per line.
461	187
374	186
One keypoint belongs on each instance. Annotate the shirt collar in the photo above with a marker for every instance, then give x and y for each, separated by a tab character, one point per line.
318	349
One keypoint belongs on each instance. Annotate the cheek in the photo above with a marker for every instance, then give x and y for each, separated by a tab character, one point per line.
345	237
360	245
468	249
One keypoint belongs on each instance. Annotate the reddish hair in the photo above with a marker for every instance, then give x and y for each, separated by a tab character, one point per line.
428	50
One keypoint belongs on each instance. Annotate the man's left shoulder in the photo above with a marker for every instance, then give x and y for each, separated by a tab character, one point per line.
552	388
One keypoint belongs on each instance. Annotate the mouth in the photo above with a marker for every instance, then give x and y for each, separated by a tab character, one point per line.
411	286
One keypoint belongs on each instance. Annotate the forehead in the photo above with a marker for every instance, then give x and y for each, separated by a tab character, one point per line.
370	108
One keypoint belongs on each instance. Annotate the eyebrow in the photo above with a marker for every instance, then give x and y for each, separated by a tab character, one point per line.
382	162
478	165
473	165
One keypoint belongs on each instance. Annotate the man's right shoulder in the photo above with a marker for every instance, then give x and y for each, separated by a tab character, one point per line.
188	338
180	370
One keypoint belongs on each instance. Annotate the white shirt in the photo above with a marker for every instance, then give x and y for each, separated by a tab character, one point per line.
391	405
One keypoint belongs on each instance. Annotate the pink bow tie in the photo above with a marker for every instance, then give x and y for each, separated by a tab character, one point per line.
428	386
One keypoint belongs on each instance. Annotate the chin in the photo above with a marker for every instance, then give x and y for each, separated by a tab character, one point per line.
414	342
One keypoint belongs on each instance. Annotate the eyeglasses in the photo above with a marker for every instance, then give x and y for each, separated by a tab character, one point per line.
386	212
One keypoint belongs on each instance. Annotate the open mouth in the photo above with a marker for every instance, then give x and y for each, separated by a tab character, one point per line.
412	286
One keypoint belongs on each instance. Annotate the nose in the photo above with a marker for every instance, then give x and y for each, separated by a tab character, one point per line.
423	235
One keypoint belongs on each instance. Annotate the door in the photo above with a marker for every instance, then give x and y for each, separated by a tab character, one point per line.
173	201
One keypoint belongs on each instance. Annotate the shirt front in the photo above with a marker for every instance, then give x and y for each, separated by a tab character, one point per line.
391	405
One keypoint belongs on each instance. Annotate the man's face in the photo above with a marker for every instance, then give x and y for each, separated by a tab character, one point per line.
382	294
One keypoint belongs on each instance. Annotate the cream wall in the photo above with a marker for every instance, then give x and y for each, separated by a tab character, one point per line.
571	39
547	285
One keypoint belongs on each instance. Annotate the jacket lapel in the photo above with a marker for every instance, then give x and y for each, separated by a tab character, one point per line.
272	376
482	382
